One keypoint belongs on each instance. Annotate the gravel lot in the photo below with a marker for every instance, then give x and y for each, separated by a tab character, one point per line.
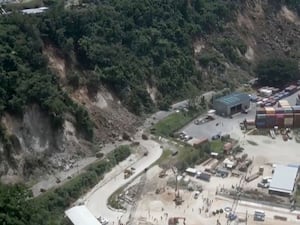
226	125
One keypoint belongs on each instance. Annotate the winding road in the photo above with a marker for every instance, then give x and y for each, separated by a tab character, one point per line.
96	200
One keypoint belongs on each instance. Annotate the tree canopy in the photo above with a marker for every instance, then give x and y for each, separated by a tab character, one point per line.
277	71
131	43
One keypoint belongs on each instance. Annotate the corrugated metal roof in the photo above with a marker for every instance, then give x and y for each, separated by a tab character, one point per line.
234	98
283	179
80	215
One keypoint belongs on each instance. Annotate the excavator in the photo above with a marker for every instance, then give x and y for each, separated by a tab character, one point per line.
175	220
178	199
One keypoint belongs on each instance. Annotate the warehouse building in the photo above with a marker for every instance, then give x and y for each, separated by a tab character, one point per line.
232	104
80	215
283	180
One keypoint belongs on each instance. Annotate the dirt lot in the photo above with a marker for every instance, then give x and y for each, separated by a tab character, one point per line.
158	208
263	150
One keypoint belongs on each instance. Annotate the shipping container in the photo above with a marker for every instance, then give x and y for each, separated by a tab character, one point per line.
270	120
282	103
287	109
270	110
261	116
288	122
279	120
279	111
260	110
296	109
296	120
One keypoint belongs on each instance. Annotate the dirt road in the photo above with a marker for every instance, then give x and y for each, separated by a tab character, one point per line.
50	181
96	200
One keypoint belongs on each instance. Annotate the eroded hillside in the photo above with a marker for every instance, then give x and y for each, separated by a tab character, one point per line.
74	79
261	30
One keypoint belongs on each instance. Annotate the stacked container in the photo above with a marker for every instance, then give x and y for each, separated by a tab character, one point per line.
288	116
296	111
270	117
283	103
260	120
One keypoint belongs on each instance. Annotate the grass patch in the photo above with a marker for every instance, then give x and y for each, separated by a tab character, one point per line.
113	200
216	146
189	156
173	122
164	158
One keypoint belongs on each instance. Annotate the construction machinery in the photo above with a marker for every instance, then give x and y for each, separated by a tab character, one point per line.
160	190
252	177
232	215
175	220
162	174
178	199
127	173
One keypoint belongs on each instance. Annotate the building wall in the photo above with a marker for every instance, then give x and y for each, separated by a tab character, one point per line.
225	110
221	109
284	194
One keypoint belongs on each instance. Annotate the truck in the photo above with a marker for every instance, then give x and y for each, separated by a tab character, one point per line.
252	177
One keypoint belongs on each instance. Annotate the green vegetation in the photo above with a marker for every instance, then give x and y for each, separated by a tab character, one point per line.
113	199
130	43
48	209
172	123
189	156
294	4
216	146
277	71
252	142
164	157
230	47
209	58
25	78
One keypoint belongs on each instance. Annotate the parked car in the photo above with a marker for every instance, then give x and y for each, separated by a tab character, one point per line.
216	137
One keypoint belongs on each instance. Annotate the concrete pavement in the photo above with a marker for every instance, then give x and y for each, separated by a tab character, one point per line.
96	200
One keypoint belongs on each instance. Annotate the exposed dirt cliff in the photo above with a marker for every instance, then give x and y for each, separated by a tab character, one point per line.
262	29
32	147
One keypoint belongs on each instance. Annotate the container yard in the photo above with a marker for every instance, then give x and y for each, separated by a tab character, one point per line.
283	116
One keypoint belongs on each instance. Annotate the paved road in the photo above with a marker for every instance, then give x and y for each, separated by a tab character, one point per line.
97	199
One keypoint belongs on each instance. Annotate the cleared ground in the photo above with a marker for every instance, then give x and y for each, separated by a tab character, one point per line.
263	150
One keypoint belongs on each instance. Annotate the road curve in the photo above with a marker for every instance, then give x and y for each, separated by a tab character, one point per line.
96	200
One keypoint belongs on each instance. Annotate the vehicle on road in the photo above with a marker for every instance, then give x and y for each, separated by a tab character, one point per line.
196	195
103	220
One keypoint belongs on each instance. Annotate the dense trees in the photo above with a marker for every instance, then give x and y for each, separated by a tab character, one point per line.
25	78
132	43
277	71
18	208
